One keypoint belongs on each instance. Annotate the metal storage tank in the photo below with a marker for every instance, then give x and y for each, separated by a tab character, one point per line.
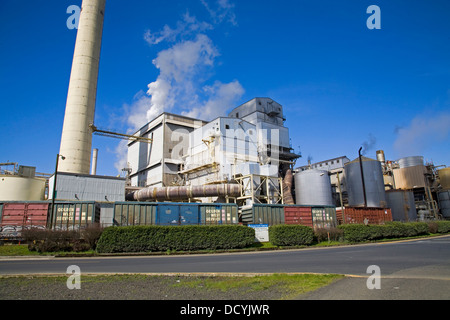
402	205
410	173
373	183
444	176
16	188
313	187
410	162
444	203
409	177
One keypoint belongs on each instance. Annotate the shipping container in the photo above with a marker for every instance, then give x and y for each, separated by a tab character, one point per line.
311	216
359	215
134	213
324	217
298	215
160	213
16	216
212	214
74	215
271	214
177	214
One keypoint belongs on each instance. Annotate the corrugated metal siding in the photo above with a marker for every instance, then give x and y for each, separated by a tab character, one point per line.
177	214
409	177
75	215
152	213
264	214
132	213
24	214
298	215
362	215
324	217
219	214
73	187
311	216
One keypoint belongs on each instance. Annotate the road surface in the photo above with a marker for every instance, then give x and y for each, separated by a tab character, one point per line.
408	269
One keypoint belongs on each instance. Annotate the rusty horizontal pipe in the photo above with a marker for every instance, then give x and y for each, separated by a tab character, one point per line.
184	192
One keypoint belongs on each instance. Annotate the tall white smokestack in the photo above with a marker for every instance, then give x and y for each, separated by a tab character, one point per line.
76	139
94	162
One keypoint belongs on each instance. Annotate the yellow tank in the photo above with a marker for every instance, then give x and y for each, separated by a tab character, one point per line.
409	177
16	188
444	176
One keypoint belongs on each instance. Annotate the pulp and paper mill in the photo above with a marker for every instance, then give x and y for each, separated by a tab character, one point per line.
239	168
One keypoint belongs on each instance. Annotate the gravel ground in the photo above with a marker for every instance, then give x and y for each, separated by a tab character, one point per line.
128	288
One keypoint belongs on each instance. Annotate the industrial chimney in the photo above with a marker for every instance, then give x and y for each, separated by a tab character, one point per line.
76	139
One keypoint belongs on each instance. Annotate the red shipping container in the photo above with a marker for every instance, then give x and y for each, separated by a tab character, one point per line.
360	215
298	215
24	214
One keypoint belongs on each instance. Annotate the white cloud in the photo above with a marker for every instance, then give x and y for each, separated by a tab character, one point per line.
188	25
222	97
421	133
223	11
181	68
184	70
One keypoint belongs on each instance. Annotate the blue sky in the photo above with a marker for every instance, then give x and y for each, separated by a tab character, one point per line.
341	84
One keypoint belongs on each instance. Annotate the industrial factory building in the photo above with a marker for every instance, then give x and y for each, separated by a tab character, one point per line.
192	152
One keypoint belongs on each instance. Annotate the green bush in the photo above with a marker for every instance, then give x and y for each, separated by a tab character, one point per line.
290	235
323	234
181	238
44	240
356	232
443	226
361	232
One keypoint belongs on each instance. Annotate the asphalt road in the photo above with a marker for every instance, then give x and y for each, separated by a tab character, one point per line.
414	269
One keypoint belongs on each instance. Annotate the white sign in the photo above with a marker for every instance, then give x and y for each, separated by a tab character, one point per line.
261	232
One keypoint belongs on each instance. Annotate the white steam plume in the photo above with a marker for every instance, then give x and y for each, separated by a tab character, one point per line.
184	69
421	133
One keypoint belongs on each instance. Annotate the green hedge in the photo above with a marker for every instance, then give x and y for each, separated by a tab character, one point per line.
181	238
361	232
290	235
443	226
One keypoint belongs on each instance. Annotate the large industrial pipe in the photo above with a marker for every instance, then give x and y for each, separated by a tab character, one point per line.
287	187
76	138
184	192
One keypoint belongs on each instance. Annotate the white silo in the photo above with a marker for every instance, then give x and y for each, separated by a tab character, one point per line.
76	139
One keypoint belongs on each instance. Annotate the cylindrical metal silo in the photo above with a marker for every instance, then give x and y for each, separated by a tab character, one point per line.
444	203
410	174
410	162
373	183
313	187
15	188
444	177
402	204
76	138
